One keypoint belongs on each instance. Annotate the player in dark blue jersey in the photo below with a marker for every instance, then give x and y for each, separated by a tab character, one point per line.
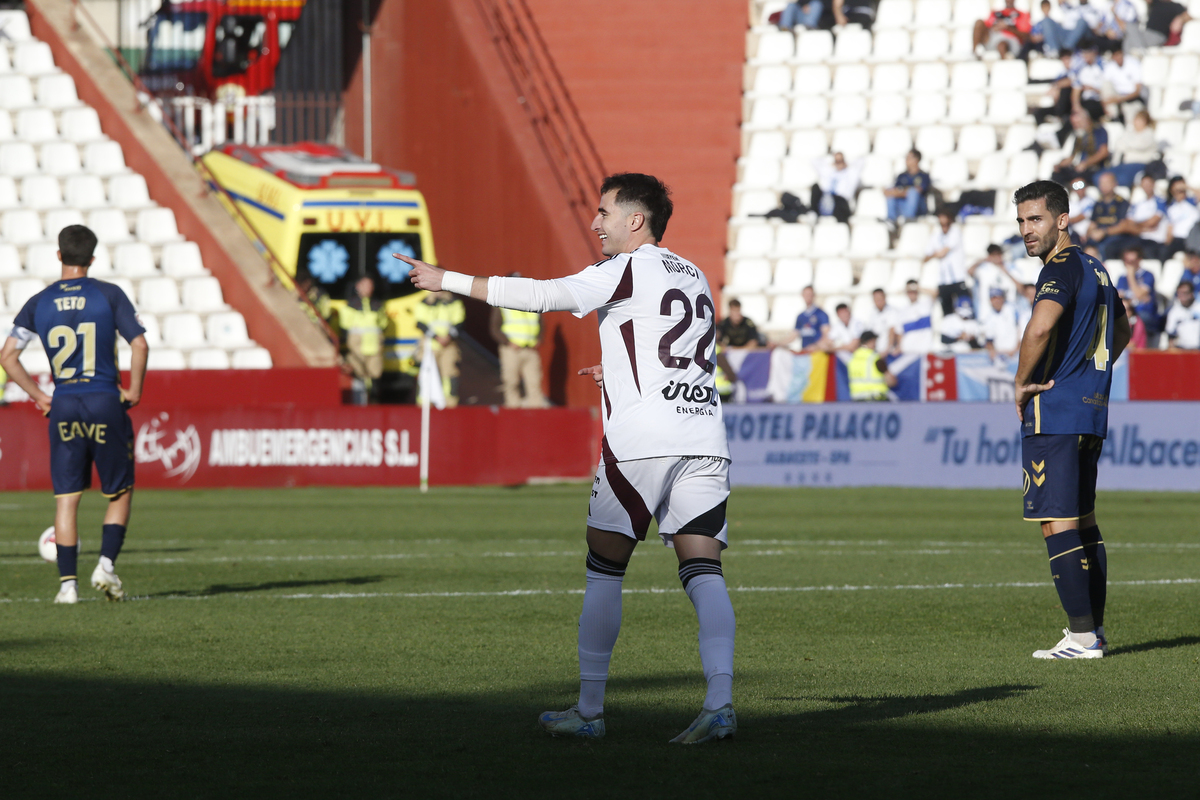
78	319
1077	332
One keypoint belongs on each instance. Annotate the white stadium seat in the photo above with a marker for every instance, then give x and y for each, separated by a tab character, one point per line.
875	275
104	158
792	275
926	108
930	77
35	361
969	76
853	143
832	276
41	261
746	203
159	295
891	44
15	25
792	240
930	43
36	125
85	192
749	275
935	140
227	330
754	307
798	173
134	260
21	290
1010	73
33	58
903	270
16	91
853	44
772	79
153	331
754	239
766	144
251	358
60	158
871	205
774	47
893	142
1007	106
41	192
830	238
808	144
949	171
784	311
17	159
1183	70
1189	40
913	238
6	124
759	173
809	111
1155	68
57	91
81	125
1022	168
993	171
102	263
60	218
966	12
10	267
893	14
1019	137
868	239
889	78
109	225
183	331
932	13
208	358
8	193
21	226
851	79
157	226
129	192
203	295
767	113
163	358
878	170
812	78
976	141
847	110
888	109
976	239
966	108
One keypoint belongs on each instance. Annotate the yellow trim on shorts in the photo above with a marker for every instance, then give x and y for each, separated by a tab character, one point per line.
128	488
71	494
66	578
1058	519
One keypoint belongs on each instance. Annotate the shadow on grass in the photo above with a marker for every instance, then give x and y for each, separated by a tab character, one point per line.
167	740
240	588
1158	644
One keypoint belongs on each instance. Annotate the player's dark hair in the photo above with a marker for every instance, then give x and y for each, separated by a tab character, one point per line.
648	193
77	244
1057	202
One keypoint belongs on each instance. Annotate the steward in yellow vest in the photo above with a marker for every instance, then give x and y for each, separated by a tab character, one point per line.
518	335
869	378
438	317
363	321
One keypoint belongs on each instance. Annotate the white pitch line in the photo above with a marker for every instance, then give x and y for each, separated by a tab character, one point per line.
652	590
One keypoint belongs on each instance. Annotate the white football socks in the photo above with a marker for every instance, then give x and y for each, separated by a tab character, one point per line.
717	626
107	565
68	584
599	624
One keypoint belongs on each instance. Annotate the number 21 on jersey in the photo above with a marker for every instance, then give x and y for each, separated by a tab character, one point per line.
67	341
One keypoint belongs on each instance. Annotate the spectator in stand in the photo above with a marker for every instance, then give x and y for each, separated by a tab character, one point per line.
1000	329
1025	308
1191	270
988	273
1146	224
1135	149
1079	213
914	323
946	245
1107	214
844	330
1123	75
960	330
837	184
1087	84
883	322
801	14
906	200
1137	284
1089	150
738	330
1133	35
1137	330
812	324
868	373
1183	320
1065	33
1036	41
1164	22
859	11
1182	216
1105	32
1004	31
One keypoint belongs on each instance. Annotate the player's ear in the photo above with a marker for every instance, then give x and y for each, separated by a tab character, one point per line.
1063	220
59	254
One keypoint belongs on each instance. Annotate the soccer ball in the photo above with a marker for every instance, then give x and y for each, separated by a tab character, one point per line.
48	548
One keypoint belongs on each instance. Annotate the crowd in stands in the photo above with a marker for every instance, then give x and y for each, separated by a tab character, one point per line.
1089	98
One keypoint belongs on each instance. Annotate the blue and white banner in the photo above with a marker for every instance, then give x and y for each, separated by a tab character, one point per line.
982	380
949	445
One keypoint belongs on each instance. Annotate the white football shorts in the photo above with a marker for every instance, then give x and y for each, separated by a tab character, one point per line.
685	494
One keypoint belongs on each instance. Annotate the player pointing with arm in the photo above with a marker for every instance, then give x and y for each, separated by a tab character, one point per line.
1077	332
78	320
664	453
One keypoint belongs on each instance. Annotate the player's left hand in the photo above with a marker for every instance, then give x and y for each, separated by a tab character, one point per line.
423	276
129	399
43	403
597	373
1026	393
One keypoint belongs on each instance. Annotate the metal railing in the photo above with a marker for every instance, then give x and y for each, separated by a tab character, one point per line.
560	130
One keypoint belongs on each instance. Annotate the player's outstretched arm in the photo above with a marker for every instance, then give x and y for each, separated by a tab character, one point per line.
430	278
597	373
137	371
1037	336
10	359
521	294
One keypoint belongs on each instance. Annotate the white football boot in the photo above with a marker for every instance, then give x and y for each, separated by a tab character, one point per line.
1068	647
571	723
67	594
719	724
107	582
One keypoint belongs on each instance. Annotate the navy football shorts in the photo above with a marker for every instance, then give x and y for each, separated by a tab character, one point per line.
88	429
1059	477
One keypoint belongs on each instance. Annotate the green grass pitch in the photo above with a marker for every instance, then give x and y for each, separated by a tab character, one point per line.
378	643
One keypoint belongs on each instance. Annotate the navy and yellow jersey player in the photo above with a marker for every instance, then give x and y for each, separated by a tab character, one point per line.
1077	332
78	320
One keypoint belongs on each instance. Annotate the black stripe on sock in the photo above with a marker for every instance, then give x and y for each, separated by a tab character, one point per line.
695	567
604	566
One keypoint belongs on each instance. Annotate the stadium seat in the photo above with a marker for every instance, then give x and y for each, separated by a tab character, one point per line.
774	47
932	14
21	226
134	260
889	78
1172	274
792	275
893	142
808	144
153	331
41	192
109	225
852	79
183	331
935	140
1009	73
992	172
15	92
57	91
949	171
891	44
33	58
251	358
85	192
1007	107
1174	101
766	144
749	275
966	12
1155	68
1183	70
962	45
1022	168
914	236
903	271
976	141
792	240
969	76
129	192
17	159
888	109
208	358
754	239
893	14
927	108
832	276
36	125
759	173
1189	38
966	108
814	47
879	170
6	125
868	239
41	261
20	290
60	158
1019	137
81	125
772	79
104	158
767	113
746	202
228	330
848	110
809	111
853	143
159	295
930	43
1170	131
8	193
59	218
871	205
755	307
798	173
976	238
164	358
784	311
10	267
1191	137
812	78
830	238
203	295
102	263
853	44
15	25
875	275
930	77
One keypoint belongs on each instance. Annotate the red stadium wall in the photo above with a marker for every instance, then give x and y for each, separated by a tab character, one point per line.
1164	376
659	88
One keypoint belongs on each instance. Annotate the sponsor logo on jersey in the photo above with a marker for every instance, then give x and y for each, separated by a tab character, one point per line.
704	395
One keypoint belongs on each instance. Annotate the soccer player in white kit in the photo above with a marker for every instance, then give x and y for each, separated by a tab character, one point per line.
664	452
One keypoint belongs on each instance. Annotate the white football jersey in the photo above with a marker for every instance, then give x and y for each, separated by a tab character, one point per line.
657	342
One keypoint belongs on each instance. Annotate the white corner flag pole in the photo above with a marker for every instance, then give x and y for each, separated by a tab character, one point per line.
423	384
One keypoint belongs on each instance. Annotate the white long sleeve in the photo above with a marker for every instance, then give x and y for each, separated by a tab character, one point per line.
527	294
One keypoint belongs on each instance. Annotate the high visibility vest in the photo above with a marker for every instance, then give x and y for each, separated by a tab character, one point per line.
367	322
439	318
866	381
521	328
